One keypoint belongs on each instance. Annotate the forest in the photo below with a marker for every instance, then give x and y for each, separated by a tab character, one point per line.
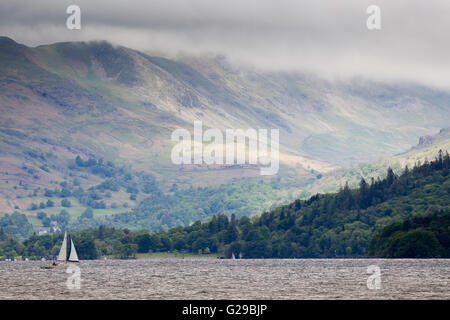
376	219
418	237
324	226
152	208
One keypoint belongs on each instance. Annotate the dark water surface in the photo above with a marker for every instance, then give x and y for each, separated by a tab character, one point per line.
229	279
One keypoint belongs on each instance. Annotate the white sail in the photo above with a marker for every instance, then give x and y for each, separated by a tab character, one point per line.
62	256
73	253
232	256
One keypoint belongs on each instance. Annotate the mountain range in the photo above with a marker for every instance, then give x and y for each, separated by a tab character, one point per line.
103	101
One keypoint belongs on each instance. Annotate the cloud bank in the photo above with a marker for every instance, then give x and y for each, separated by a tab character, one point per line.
325	37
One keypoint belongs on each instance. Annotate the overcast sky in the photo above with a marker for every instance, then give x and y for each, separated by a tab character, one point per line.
327	37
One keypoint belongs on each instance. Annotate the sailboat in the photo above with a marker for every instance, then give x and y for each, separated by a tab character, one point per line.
67	253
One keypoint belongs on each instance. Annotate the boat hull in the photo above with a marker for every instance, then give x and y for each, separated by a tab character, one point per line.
60	265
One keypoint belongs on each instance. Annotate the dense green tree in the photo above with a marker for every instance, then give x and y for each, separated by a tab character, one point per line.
144	242
425	236
16	224
87	214
66	203
86	247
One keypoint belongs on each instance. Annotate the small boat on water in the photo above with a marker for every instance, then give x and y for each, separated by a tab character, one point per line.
67	253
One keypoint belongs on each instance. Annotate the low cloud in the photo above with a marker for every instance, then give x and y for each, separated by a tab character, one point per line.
325	37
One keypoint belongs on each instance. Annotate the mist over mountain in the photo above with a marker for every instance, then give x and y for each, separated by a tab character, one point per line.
97	100
317	118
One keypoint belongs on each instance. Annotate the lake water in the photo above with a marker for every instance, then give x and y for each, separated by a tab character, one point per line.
229	279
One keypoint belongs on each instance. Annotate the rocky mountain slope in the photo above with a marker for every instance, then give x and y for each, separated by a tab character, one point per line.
98	100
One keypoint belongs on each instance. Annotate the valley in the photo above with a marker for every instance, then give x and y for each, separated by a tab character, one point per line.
117	107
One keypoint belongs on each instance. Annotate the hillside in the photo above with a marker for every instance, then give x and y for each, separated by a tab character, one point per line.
325	226
119	106
426	148
400	216
418	237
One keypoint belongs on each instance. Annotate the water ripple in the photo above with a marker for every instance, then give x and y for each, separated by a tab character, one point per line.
229	279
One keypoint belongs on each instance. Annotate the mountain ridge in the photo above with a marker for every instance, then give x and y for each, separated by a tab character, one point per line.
95	99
